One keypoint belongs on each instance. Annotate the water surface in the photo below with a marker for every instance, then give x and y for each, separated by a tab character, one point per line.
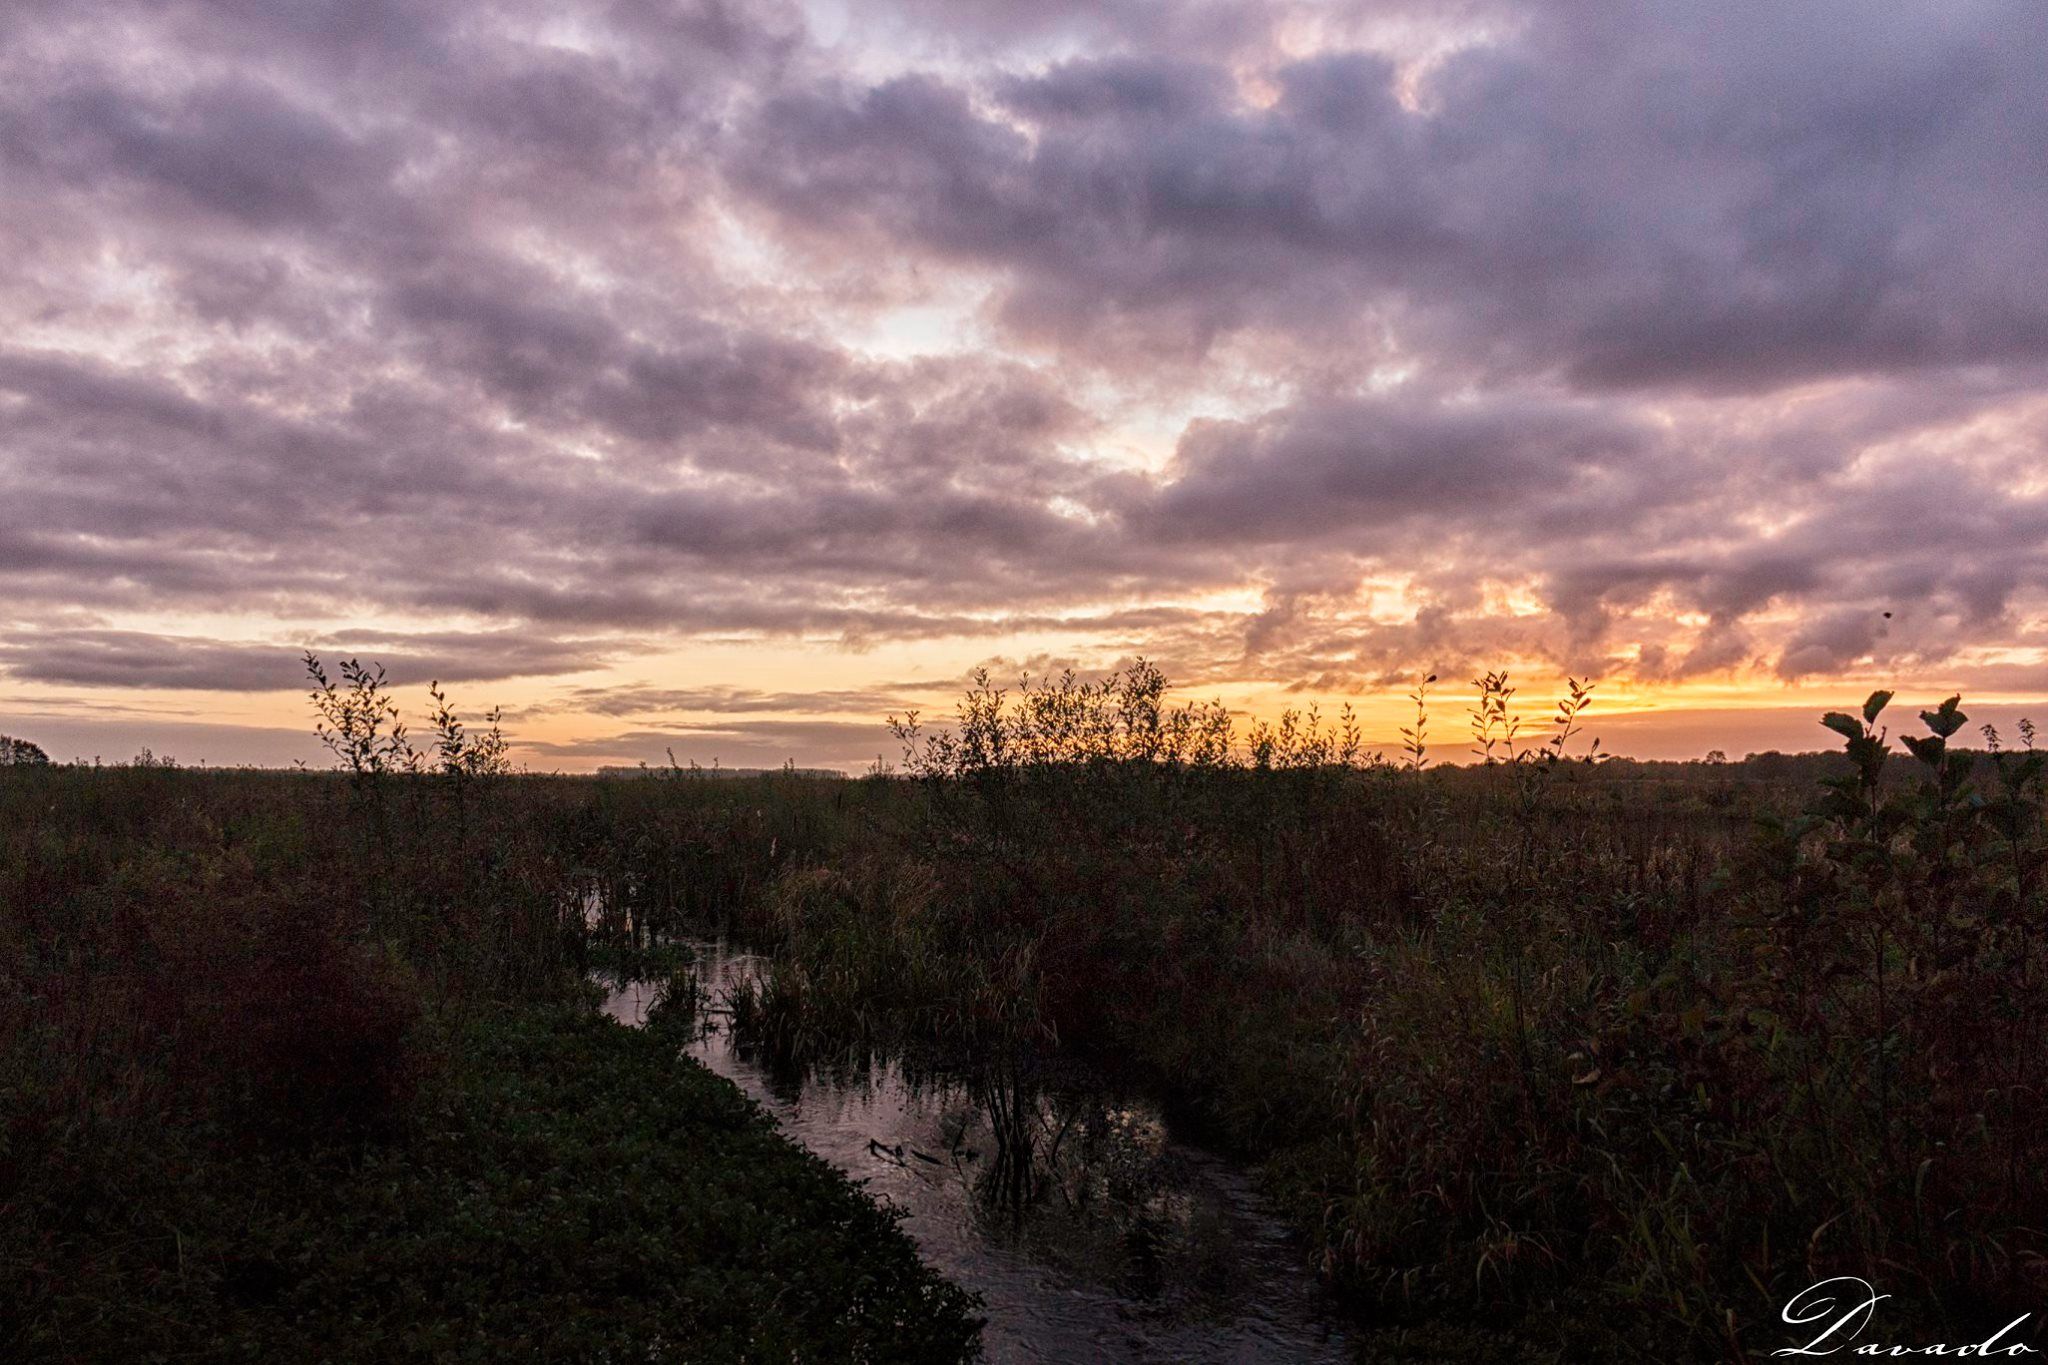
1115	1241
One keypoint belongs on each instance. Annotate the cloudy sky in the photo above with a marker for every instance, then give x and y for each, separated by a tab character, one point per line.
720	376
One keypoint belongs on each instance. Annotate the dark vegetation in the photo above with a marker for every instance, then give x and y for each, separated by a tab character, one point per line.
306	1066
20	752
1604	1059
1613	1057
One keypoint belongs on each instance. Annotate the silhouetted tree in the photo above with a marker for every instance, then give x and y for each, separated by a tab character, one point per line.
20	752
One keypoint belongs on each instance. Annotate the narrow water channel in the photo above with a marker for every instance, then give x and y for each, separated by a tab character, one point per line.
1120	1243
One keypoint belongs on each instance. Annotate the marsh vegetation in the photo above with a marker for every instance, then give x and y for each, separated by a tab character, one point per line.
1613	1057
1538	1056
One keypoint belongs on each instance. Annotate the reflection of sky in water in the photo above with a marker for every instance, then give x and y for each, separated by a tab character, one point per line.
1135	1247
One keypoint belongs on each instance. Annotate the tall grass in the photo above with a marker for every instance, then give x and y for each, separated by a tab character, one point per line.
245	1016
1530	1041
1625	1053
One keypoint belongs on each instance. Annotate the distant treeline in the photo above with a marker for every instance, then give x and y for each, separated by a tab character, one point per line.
693	770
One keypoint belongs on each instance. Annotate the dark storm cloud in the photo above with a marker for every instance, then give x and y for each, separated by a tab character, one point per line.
1725	197
1357	468
546	319
129	489
121	658
237	150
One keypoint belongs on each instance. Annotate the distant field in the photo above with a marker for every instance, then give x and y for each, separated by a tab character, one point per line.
693	770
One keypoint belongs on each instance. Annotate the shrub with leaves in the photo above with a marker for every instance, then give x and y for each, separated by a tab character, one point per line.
1902	959
359	721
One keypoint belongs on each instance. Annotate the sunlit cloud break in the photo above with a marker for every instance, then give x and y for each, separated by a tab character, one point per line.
694	375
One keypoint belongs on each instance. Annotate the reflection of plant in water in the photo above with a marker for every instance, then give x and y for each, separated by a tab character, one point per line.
1093	1184
1020	1140
1036	1158
679	1002
1118	1156
1088	1180
1011	1179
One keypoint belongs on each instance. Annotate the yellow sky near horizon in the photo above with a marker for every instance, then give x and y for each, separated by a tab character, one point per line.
754	704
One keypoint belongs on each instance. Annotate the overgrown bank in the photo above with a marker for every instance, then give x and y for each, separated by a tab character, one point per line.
566	1191
293	1067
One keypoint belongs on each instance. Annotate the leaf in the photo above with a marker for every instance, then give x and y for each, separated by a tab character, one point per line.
1840	805
1928	749
1948	719
1843	725
1875	703
1867	753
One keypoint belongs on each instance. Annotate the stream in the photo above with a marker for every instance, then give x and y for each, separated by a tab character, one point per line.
1112	1241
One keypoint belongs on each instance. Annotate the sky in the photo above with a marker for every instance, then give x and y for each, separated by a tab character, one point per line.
720	377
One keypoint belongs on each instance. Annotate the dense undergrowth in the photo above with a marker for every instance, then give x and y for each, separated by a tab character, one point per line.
567	1192
304	1066
1614	1058
1608	1060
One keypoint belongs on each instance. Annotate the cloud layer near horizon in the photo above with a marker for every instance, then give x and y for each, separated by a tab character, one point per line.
1299	345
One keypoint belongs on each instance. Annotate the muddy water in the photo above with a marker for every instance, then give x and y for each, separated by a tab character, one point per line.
1112	1242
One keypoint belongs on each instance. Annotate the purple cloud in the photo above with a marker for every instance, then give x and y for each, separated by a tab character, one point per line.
1664	341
